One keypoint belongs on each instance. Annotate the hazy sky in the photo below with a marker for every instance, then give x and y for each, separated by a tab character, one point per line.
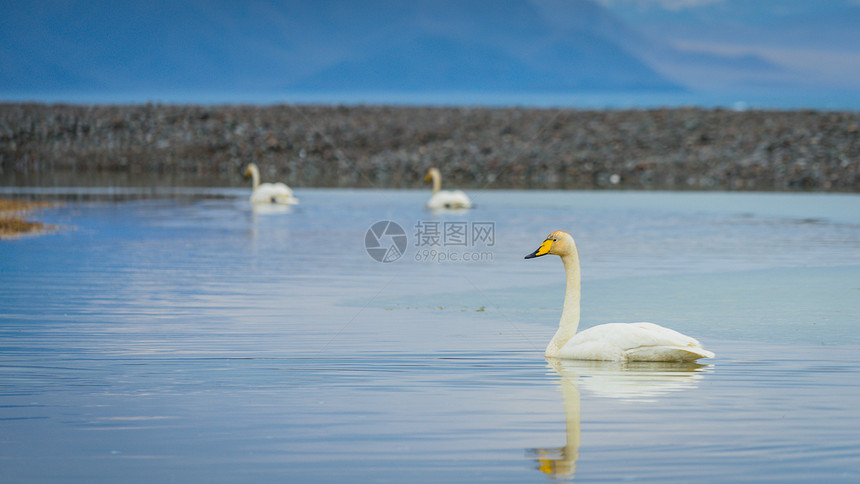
272	44
820	40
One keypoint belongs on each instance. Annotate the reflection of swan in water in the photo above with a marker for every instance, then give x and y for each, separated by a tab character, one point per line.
639	381
635	381
561	461
270	208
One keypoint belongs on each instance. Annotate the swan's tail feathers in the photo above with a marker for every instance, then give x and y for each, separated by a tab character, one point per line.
695	349
668	353
285	199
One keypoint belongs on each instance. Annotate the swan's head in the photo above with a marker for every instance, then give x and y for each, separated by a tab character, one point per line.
432	172
249	170
557	243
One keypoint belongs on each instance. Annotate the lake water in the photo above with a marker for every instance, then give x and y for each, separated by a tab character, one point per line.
190	339
739	99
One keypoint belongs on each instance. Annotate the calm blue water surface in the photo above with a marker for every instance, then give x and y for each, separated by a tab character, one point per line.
739	99
193	340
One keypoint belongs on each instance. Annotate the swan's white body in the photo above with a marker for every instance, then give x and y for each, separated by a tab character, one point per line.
613	341
277	193
630	342
445	198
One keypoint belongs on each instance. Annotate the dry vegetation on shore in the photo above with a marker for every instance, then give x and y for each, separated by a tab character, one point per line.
12	221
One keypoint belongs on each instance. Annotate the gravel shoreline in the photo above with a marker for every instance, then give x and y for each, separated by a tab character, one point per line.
392	147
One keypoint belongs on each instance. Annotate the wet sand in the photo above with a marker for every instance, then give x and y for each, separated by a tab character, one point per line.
391	147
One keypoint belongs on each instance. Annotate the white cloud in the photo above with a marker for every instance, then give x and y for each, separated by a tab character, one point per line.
832	68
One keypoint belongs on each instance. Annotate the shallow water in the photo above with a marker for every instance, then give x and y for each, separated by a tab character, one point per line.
192	340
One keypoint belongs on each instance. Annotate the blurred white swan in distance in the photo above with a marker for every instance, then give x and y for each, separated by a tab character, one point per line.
612	341
277	193
445	198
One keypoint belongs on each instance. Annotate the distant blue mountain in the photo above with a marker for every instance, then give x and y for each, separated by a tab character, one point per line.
433	63
328	45
488	45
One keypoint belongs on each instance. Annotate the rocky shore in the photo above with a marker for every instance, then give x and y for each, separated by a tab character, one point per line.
392	147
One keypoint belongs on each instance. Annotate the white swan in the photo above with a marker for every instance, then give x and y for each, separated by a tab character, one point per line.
445	198
613	341
268	192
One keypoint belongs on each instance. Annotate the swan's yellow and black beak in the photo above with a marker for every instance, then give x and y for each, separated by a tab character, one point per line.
542	250
427	177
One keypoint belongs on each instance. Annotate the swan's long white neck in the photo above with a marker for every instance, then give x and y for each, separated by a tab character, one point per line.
255	176
570	313
437	180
